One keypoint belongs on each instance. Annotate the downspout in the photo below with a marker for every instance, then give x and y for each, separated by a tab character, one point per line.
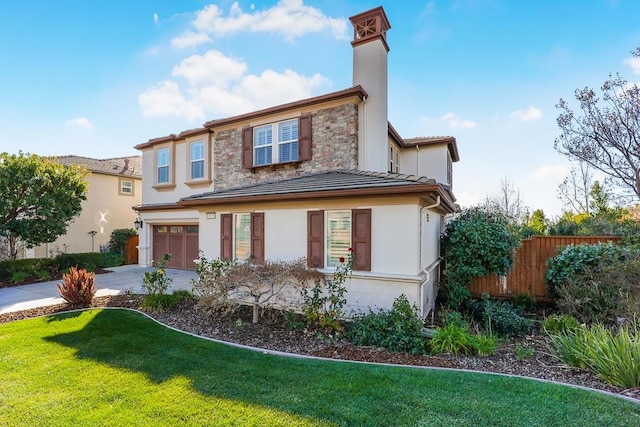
424	270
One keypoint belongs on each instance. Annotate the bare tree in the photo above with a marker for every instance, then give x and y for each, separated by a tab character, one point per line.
606	135
576	188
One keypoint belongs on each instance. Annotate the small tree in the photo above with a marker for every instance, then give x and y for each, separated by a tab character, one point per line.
40	197
475	244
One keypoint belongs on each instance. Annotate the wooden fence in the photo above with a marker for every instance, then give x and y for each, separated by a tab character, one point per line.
131	250
529	267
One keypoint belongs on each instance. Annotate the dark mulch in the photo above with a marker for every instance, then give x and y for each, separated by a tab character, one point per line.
528	356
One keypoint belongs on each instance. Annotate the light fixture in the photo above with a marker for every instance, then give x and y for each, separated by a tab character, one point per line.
138	223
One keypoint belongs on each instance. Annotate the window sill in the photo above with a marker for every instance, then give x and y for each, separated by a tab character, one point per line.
199	183
164	187
274	166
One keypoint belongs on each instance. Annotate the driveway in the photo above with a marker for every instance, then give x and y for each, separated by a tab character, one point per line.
121	279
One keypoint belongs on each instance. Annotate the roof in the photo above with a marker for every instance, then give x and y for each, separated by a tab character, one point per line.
120	166
332	184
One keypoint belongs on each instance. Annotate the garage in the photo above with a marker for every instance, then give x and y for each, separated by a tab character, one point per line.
180	241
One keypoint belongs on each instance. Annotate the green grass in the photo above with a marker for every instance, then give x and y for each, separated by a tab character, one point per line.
116	367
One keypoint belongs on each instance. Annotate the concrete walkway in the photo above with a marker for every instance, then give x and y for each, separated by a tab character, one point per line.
122	279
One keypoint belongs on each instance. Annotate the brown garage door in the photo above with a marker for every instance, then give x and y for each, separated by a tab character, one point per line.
180	241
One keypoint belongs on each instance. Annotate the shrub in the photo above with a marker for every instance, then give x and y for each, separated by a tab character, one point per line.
475	244
77	287
501	318
559	324
163	302
398	330
119	238
456	339
157	281
614	355
112	259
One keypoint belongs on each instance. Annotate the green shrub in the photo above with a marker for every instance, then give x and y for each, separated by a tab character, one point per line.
77	287
613	355
501	318
559	324
163	302
456	339
112	259
397	330
83	260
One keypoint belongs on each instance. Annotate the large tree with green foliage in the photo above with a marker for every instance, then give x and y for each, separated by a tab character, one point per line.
605	134
40	197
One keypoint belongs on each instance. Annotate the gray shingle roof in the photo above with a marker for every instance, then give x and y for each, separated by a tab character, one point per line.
120	166
338	180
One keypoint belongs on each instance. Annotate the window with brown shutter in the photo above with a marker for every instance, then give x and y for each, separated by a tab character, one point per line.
304	138
247	148
361	239
315	239
226	237
257	237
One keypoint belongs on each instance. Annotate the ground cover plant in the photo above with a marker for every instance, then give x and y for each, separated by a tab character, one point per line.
117	367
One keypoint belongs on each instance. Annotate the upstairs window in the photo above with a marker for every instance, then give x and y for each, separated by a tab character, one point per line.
196	162
162	162
281	142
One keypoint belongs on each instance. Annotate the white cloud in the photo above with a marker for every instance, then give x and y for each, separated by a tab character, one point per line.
551	171
155	18
455	122
289	18
528	115
634	63
165	99
79	122
212	67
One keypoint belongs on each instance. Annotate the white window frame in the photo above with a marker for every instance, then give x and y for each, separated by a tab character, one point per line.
336	248
272	141
194	145
161	165
237	224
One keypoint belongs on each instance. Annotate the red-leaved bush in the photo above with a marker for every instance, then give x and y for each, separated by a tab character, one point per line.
78	287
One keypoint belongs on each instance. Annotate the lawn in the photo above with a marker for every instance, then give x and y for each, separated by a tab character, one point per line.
117	367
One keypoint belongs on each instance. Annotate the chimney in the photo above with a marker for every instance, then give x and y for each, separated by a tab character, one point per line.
370	52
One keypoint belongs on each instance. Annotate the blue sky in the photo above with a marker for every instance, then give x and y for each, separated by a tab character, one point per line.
97	78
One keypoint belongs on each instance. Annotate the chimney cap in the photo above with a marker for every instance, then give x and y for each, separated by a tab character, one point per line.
370	25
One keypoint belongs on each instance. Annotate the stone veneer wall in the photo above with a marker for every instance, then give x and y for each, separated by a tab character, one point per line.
334	139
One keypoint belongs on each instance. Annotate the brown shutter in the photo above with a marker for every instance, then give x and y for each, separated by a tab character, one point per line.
361	239
257	237
304	138
247	148
315	239
226	237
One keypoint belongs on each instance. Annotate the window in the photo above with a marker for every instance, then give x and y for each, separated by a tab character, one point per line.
125	187
394	160
283	149
281	142
330	235
162	163
242	236
197	160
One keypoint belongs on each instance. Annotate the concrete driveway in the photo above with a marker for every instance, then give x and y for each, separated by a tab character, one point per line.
121	279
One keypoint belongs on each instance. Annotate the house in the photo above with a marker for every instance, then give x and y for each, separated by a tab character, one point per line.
114	187
310	178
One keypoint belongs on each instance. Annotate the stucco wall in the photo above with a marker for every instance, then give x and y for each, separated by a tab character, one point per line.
104	211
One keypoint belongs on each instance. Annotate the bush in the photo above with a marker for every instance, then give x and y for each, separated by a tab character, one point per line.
475	244
157	281
119	238
456	339
501	318
77	287
112	259
614	355
398	330
83	260
559	324
163	302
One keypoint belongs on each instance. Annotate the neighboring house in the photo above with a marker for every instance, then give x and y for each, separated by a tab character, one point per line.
310	178
114	187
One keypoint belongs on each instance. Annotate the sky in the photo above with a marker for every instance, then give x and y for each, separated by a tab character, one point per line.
97	78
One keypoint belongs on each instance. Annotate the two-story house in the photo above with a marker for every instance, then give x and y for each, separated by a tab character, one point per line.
114	187
310	178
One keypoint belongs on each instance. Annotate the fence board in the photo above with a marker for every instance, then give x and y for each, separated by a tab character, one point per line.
131	250
529	267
